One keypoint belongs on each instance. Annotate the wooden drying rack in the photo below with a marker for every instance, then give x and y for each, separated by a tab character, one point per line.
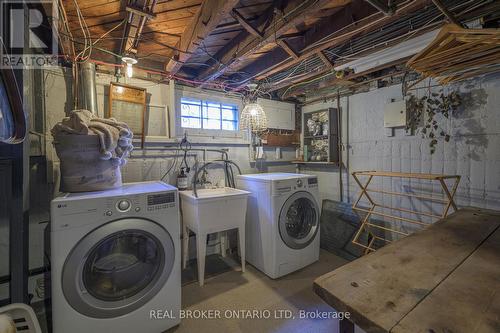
447	201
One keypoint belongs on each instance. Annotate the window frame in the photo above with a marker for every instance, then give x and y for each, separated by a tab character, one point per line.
204	105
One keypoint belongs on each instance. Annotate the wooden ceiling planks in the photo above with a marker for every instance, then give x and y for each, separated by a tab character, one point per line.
252	43
172	18
209	15
236	54
367	24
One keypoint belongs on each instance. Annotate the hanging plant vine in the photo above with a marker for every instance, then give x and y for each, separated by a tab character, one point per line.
428	107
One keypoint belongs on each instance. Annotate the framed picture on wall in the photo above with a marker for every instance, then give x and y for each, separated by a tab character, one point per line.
128	104
157	123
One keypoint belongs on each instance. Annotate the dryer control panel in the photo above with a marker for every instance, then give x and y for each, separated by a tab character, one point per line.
285	186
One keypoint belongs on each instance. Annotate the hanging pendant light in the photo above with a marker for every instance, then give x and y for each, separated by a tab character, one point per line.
129	61
253	117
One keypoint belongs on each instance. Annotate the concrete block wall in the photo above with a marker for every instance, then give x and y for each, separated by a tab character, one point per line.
143	165
473	151
151	163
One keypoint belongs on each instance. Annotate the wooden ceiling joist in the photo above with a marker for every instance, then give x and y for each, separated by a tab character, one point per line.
284	45
385	6
371	23
245	24
137	15
325	59
349	79
140	12
209	15
446	12
239	51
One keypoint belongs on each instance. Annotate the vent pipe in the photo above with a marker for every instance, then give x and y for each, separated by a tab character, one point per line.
87	93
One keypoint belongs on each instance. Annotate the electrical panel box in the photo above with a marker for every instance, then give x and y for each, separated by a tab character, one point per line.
280	115
395	114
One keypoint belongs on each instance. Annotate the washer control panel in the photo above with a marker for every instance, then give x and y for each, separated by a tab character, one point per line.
312	182
161	201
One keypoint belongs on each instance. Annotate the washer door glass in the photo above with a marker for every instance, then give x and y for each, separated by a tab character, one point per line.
118	267
122	265
299	220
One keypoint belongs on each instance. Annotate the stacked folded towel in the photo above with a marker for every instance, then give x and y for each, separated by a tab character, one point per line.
115	137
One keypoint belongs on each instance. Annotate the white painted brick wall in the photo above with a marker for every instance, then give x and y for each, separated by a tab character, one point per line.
473	151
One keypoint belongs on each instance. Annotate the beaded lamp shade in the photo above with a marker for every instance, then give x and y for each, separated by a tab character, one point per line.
253	117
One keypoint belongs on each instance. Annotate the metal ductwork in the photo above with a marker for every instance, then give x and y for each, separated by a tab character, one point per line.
87	93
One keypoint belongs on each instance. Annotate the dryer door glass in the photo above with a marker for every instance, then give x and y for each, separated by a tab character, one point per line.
118	267
299	219
121	265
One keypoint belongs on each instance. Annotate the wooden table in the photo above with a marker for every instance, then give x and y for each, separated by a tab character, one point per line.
445	278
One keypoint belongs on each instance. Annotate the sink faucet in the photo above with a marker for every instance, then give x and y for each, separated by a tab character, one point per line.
228	173
203	181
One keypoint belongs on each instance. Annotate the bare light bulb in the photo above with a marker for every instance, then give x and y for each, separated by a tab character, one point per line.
130	70
130	62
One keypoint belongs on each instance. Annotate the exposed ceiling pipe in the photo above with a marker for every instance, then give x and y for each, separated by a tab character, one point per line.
387	8
87	94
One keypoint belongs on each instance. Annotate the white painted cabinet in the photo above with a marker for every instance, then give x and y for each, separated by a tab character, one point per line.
279	115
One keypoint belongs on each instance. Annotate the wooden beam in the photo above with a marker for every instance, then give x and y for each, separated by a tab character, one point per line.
298	34
284	45
333	81
325	59
238	51
132	30
327	26
310	75
383	6
140	12
447	13
366	25
245	24
209	15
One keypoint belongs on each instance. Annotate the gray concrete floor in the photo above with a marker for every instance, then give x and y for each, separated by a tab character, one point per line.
253	290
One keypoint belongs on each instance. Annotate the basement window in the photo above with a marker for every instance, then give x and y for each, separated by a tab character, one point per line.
203	114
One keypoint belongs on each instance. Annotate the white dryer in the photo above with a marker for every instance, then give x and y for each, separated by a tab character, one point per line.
115	258
282	226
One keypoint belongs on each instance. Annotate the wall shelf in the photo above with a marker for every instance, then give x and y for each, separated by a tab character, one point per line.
317	137
321	140
316	163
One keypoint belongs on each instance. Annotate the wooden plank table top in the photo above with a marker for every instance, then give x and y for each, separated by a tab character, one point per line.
442	279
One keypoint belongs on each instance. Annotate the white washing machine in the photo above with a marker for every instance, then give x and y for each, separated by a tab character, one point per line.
115	258
282	226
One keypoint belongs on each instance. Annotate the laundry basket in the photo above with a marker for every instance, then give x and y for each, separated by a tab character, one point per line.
82	169
23	316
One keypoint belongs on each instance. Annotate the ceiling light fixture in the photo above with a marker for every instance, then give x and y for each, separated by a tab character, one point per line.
253	117
130	62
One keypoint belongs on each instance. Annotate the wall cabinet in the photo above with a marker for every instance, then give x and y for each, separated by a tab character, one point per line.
280	115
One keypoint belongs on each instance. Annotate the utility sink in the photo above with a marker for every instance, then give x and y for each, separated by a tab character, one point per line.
214	210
